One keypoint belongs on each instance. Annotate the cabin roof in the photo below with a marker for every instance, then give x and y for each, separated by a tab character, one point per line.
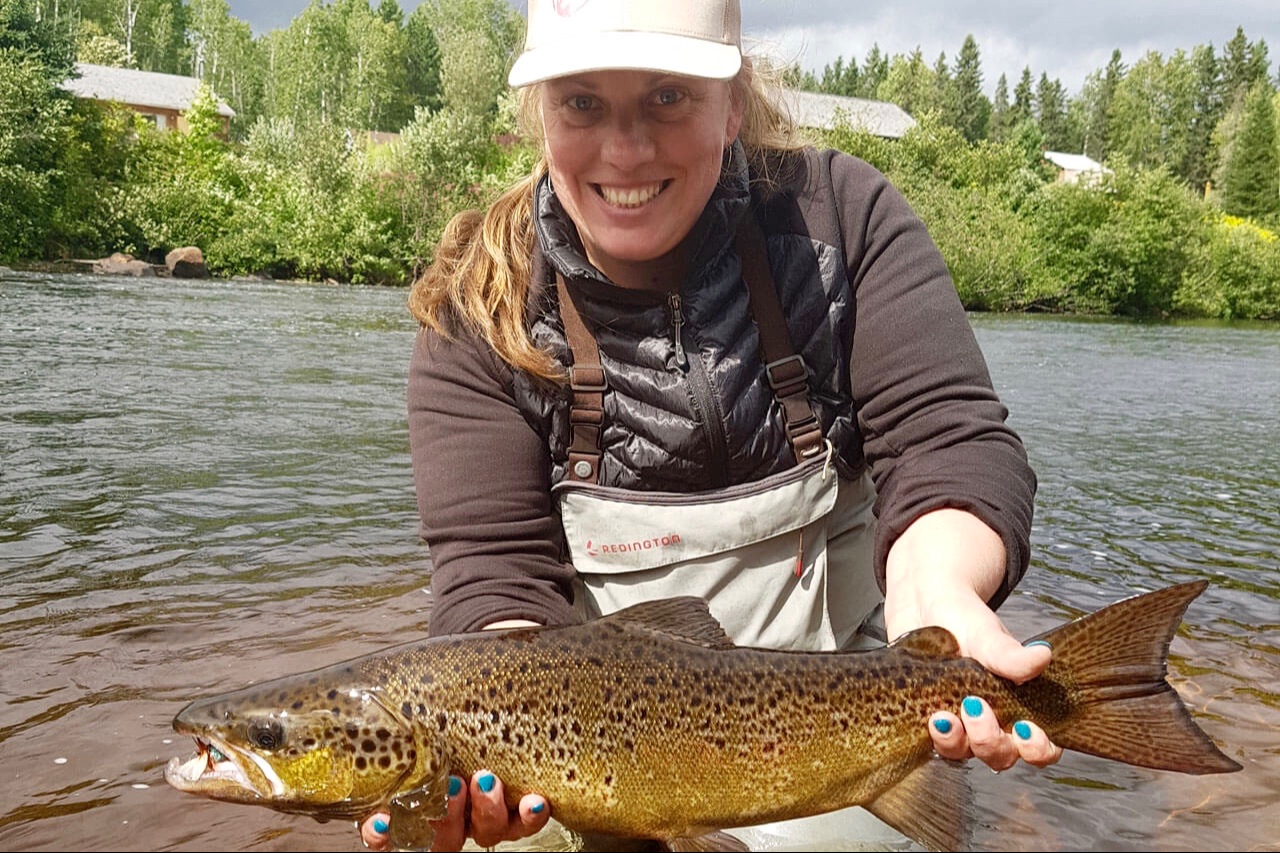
816	110
1073	162
137	88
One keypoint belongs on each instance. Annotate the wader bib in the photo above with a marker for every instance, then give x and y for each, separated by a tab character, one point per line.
783	563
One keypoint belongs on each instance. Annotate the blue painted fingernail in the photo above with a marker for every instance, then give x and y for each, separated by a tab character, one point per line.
973	706
1022	729
1044	643
537	808
455	786
486	782
942	724
380	826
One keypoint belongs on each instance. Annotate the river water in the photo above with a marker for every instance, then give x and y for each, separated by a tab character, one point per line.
204	484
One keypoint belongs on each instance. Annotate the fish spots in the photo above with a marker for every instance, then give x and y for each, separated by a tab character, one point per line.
368	746
361	763
331	695
427	678
384	762
297	705
407	709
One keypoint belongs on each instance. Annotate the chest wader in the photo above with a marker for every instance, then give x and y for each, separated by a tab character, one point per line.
783	563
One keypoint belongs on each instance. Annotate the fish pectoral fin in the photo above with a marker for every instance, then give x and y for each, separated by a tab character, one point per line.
685	618
931	642
709	843
930	806
413	811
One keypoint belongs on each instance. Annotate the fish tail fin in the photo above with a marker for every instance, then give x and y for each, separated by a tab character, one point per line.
1116	658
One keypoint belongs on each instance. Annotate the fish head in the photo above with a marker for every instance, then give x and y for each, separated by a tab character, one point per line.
297	746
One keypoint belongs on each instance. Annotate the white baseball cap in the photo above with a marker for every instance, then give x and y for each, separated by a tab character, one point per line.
693	38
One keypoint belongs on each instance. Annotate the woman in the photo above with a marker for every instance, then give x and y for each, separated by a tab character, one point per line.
689	355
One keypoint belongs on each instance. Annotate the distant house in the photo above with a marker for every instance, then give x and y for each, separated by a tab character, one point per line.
1076	168
161	98
824	112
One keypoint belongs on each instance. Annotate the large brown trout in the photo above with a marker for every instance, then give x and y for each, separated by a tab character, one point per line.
650	724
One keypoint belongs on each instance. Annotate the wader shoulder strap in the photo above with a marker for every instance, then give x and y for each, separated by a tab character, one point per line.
787	372
587	383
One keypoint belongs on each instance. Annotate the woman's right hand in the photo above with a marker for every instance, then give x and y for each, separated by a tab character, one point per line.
490	824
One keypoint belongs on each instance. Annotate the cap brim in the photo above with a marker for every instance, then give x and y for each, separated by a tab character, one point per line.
661	52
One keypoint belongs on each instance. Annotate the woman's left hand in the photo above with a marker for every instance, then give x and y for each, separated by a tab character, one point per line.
926	587
974	730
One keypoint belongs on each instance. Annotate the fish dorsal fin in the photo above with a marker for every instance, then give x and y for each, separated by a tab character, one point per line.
930	806
930	642
685	618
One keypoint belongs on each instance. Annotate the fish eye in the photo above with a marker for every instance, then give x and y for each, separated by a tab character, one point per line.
266	734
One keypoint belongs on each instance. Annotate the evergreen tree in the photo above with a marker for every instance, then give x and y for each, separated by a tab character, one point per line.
422	75
1208	111
973	110
943	94
999	125
1100	118
1251	185
25	32
1244	63
875	69
839	78
1051	112
1023	107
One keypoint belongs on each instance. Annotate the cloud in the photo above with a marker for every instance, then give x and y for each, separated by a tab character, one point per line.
1067	41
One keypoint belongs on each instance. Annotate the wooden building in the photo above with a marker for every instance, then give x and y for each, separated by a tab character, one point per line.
162	99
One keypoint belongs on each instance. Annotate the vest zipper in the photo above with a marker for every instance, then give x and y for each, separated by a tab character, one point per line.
677	321
701	395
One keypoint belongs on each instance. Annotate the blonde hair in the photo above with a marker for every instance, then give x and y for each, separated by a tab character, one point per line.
479	278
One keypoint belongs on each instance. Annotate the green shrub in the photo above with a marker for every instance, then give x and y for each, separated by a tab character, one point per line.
1233	274
1118	247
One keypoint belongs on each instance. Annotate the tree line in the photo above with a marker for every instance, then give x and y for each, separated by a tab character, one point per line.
1209	116
302	189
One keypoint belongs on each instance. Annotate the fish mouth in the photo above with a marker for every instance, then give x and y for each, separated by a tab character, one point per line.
212	770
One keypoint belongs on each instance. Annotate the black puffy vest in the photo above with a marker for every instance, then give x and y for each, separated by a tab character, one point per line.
714	422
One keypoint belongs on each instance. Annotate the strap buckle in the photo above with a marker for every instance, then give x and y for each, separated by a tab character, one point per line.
781	381
592	379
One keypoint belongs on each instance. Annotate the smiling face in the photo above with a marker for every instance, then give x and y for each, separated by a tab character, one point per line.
634	156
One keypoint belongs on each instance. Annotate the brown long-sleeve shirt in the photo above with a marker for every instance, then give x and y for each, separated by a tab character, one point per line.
929	424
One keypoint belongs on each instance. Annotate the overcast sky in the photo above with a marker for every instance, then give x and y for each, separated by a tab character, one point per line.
1065	39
